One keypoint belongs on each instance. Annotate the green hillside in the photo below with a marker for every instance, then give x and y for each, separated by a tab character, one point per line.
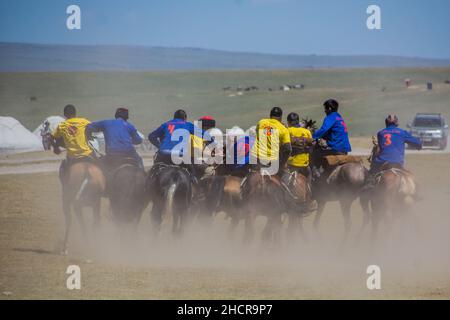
153	96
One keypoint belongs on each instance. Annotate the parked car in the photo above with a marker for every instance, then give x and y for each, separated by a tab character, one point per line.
431	128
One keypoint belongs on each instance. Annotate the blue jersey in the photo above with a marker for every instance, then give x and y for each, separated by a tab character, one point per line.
170	134
334	132
391	142
120	135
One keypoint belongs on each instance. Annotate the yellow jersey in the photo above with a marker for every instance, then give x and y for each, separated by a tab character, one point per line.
301	159
73	133
270	134
197	145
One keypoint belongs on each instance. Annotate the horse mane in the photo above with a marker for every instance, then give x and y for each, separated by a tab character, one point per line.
309	124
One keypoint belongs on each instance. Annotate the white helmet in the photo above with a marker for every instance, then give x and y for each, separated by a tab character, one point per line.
214	132
235	131
252	131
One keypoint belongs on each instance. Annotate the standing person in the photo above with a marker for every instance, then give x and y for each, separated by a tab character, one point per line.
334	131
272	146
120	138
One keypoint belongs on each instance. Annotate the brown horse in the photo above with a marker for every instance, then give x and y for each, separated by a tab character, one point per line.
83	185
393	196
343	183
298	194
263	195
222	193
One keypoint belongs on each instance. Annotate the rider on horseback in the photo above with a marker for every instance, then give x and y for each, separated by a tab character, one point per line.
176	139
71	135
389	150
301	141
120	138
334	132
272	146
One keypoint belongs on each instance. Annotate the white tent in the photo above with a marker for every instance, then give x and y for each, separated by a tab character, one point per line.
14	137
54	121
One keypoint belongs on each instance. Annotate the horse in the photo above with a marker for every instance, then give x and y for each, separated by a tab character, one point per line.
263	194
170	189
298	194
221	193
83	184
343	182
127	193
393	196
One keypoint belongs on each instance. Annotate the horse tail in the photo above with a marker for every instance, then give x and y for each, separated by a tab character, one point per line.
170	196
408	187
82	187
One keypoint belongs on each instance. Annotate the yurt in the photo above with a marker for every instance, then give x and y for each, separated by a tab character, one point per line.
14	137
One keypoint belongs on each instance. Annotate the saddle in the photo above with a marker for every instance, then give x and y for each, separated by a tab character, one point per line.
337	160
158	167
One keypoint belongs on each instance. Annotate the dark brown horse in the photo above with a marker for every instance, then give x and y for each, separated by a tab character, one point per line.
170	189
128	195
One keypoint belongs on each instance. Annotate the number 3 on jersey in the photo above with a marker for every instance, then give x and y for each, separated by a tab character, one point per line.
387	139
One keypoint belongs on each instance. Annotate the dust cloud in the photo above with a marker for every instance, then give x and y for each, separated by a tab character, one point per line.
409	250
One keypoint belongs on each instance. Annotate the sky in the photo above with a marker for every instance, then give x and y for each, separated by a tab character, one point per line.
415	28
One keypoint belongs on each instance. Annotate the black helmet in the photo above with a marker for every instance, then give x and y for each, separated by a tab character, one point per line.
180	114
391	119
331	105
293	118
70	111
122	113
276	112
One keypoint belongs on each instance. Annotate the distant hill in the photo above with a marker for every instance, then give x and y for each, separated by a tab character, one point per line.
37	57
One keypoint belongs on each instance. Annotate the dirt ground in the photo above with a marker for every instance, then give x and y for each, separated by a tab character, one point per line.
207	264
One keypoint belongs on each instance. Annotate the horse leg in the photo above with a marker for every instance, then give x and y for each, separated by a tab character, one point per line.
320	208
79	214
176	223
302	230
96	214
364	201
68	224
345	209
233	224
156	218
276	229
376	218
292	226
249	232
267	231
